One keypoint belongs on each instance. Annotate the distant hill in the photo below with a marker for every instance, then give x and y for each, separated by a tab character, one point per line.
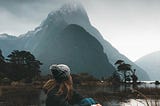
65	33
151	63
8	43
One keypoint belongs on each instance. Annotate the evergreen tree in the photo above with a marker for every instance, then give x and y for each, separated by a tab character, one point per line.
2	65
123	67
23	65
1	57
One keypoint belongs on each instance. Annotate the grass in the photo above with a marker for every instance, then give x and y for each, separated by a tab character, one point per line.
19	96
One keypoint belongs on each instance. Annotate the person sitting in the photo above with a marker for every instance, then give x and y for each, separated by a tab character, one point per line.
60	90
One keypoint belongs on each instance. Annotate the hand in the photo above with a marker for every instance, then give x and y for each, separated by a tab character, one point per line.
98	105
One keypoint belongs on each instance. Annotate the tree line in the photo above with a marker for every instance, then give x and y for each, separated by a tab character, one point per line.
19	65
22	65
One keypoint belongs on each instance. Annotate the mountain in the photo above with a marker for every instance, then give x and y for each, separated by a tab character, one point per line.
69	17
77	48
151	63
7	43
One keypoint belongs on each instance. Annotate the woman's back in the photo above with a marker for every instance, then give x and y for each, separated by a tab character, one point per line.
60	100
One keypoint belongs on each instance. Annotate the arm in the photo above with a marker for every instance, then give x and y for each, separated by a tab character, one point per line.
82	101
76	98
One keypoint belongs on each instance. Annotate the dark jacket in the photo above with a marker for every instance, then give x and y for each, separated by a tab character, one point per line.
59	100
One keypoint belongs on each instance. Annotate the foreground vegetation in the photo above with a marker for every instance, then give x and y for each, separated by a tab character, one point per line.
29	94
19	96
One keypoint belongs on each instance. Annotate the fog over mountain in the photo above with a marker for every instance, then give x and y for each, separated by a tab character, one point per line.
151	63
66	36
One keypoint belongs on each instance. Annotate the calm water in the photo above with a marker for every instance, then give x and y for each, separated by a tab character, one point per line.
122	87
37	98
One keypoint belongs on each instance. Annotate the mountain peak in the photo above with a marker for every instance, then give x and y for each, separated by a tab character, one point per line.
72	6
71	12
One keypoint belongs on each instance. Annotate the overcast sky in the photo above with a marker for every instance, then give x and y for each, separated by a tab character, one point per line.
131	26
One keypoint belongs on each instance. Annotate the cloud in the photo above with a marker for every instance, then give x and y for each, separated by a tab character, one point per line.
27	8
28	13
18	15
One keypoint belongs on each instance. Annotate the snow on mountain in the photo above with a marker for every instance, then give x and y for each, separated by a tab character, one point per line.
72	13
6	36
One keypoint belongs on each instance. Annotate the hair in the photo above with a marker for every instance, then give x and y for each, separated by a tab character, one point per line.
65	87
49	85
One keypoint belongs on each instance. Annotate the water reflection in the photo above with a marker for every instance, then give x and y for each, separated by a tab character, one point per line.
122	87
141	102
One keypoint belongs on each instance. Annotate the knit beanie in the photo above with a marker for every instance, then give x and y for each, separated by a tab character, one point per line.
60	72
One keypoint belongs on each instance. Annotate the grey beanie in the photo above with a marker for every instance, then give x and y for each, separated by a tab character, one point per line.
60	72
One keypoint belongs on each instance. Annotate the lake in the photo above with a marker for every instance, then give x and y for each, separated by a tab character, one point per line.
107	95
